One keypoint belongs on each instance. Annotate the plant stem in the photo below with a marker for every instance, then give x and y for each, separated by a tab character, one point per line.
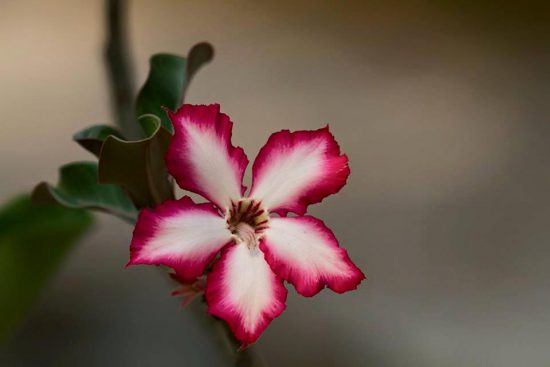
119	68
241	358
121	87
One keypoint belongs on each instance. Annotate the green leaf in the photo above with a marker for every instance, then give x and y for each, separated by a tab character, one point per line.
163	87
33	240
199	55
149	124
92	138
78	187
139	166
169	76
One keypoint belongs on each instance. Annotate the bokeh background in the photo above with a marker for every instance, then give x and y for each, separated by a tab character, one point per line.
441	106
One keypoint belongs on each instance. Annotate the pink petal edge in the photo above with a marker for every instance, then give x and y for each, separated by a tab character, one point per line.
149	227
291	253
311	188
203	135
228	299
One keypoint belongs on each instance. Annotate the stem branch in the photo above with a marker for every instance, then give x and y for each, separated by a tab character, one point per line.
119	68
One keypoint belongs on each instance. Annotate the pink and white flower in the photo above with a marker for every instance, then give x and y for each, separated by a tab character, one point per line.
251	242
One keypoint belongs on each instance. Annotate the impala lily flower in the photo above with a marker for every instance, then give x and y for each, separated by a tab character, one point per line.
260	246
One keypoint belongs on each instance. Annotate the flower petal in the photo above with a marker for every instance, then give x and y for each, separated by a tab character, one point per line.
295	169
180	234
304	252
242	290
201	157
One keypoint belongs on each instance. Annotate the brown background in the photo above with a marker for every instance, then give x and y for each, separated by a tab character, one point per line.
443	110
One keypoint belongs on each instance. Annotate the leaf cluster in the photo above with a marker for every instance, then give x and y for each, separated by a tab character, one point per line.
37	231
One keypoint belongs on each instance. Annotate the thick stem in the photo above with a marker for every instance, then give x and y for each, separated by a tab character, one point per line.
241	358
119	68
247	357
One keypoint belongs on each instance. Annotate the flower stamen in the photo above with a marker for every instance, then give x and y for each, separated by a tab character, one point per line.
247	220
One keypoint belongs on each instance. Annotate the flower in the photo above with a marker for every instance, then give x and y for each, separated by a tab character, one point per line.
260	245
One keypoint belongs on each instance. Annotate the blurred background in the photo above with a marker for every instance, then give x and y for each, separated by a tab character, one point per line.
443	110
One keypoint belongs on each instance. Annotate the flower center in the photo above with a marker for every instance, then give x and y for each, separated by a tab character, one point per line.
247	220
